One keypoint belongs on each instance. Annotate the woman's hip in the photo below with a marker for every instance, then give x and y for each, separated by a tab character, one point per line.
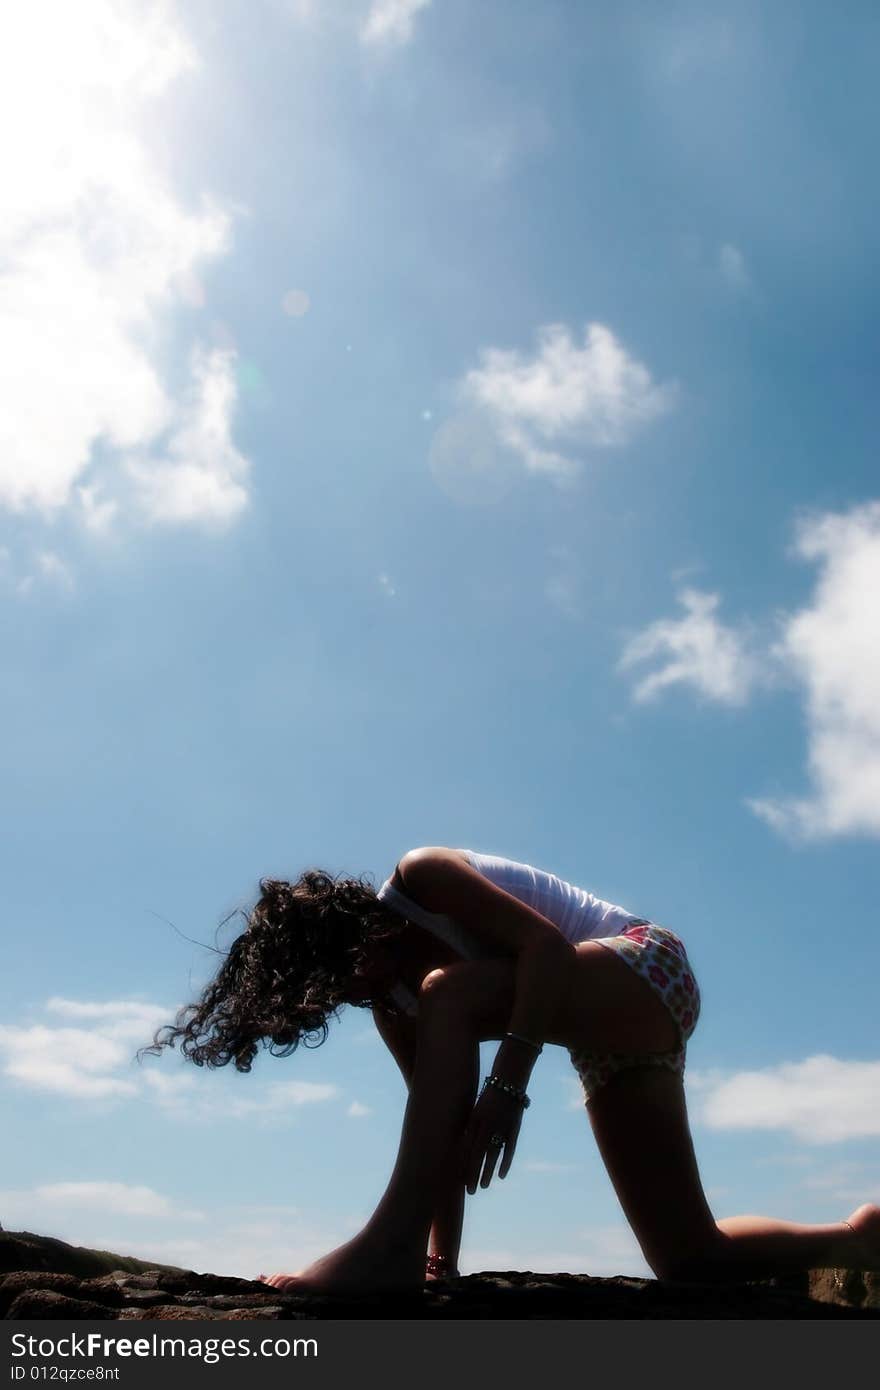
660	957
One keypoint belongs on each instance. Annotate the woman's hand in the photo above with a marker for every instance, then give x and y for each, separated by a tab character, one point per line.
495	1116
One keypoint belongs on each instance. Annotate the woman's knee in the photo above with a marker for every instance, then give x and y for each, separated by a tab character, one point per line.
479	993
441	990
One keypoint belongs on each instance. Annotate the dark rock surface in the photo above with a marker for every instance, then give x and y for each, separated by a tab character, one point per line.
65	1281
24	1250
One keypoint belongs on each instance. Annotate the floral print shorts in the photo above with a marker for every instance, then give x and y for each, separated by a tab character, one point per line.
659	956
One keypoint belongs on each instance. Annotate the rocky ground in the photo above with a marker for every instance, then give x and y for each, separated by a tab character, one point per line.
46	1278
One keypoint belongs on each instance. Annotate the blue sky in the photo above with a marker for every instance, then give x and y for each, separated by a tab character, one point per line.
430	423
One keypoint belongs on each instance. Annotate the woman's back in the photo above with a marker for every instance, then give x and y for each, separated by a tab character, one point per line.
579	914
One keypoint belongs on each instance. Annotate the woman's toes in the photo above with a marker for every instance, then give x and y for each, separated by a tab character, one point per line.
282	1282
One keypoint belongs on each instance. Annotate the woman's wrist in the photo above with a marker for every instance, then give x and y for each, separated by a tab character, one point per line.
514	1062
493	1082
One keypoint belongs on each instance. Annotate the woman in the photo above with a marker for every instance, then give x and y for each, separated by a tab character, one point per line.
458	948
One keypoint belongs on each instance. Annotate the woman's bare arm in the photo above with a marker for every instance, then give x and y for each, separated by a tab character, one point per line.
441	881
398	1033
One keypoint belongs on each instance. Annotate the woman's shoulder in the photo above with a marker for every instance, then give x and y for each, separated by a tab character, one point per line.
426	856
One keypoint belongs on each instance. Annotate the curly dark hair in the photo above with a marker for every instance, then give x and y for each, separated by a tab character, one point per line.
291	969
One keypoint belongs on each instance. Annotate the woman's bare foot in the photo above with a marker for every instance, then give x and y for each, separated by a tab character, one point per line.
359	1266
287	1283
865	1222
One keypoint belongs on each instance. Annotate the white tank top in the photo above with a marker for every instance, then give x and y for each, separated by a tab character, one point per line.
579	915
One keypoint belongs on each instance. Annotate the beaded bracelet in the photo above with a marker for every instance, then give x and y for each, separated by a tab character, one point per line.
517	1092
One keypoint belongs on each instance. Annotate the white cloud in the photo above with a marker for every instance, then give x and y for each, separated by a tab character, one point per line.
304	11
94	1061
200	476
48	567
389	23
833	647
575	1092
598	1250
701	651
357	1111
278	1096
732	264
170	1088
830	649
52	567
564	397
124	1020
97	515
76	1008
98	251
821	1100
126	1199
244	1249
243	1240
847	1181
72	1061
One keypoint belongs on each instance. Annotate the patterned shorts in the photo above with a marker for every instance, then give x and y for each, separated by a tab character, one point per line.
659	956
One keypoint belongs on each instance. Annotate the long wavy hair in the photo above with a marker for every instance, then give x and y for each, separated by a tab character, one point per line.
289	971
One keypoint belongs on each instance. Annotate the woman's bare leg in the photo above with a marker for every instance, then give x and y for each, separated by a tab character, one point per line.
640	1123
774	1247
639	1120
390	1250
447	1225
442	1096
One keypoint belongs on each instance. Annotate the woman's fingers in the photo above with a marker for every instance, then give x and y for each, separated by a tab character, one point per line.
491	1132
482	1156
492	1152
473	1167
473	1164
509	1150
